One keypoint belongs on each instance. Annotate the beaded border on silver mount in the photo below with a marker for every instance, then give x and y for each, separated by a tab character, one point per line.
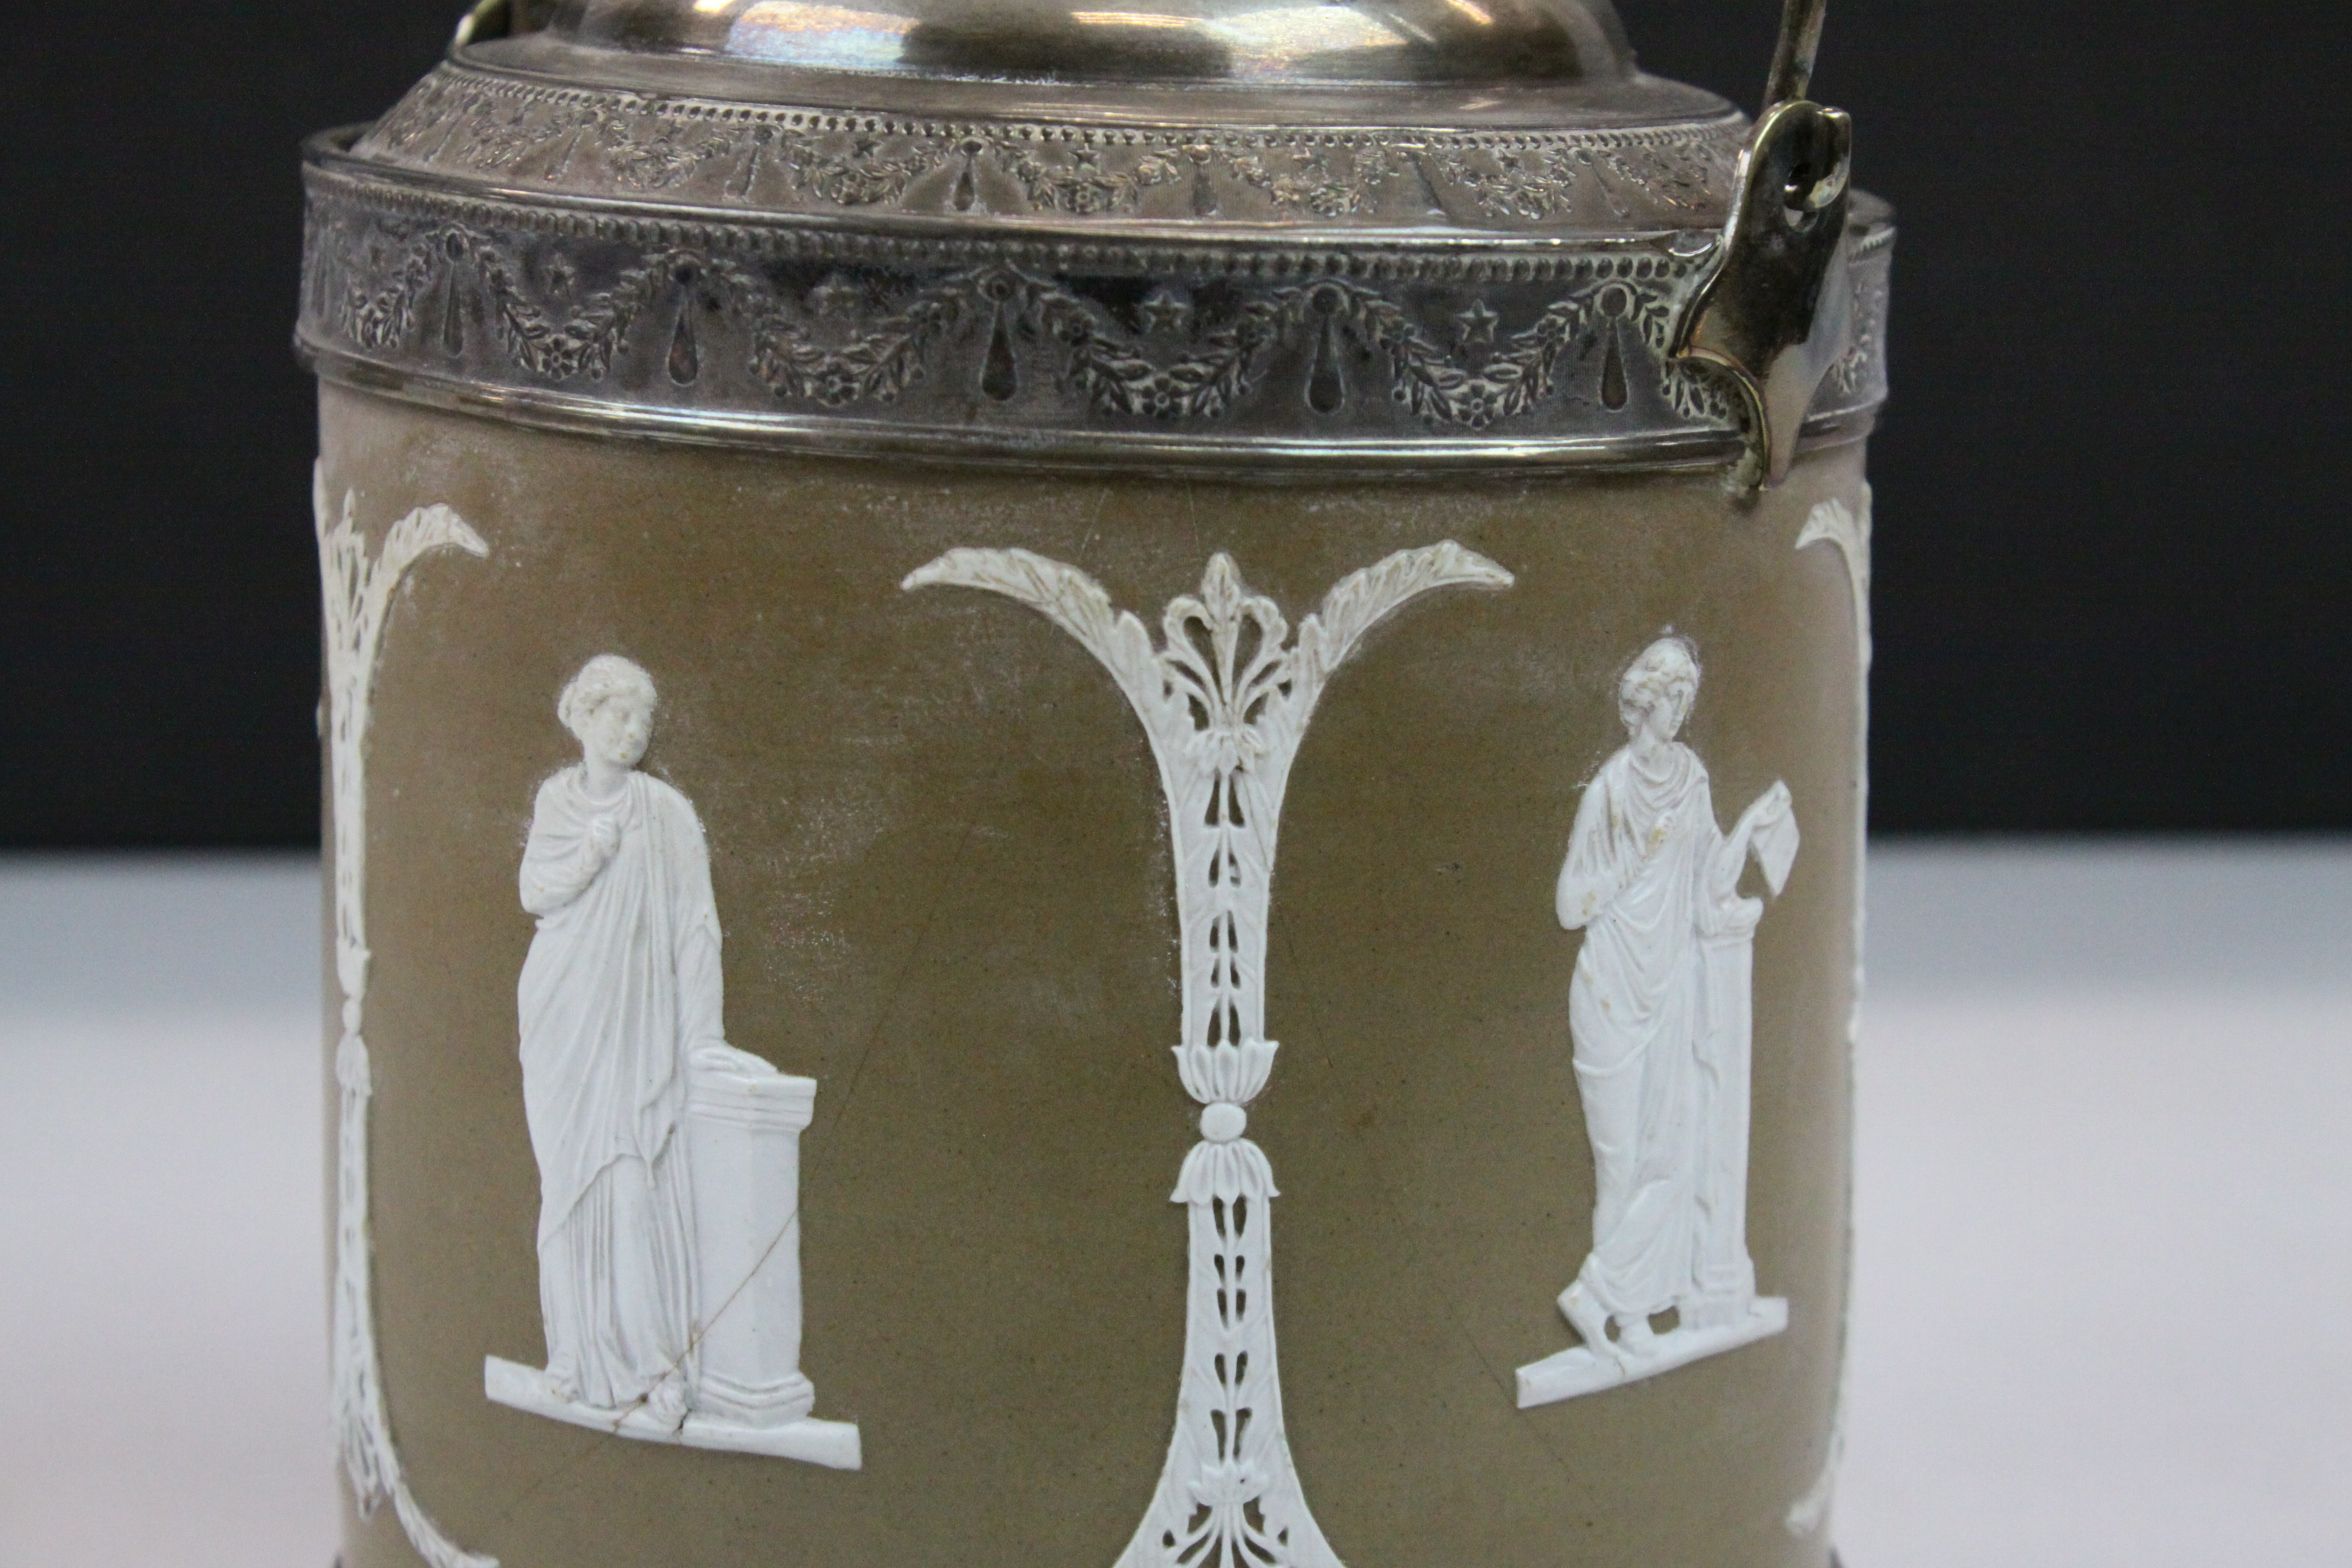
604	314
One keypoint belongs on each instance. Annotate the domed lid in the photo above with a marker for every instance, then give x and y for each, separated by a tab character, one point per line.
1077	224
1077	81
1263	42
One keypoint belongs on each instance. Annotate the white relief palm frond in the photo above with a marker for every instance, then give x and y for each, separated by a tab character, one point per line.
1362	600
1847	530
1071	600
358	594
415	536
1835	523
1225	702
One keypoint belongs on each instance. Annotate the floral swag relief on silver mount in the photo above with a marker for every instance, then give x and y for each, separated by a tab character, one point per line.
745	330
1660	1012
359	595
1224	702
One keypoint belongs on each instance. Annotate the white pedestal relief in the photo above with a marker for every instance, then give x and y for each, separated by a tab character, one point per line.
359	594
1659	1013
669	1162
743	1125
1840	526
1224	703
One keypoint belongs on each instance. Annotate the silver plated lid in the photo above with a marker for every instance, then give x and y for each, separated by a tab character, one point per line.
1371	232
1182	42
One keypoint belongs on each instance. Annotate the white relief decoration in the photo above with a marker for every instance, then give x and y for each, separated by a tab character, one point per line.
1841	526
669	1162
1660	1015
1225	702
358	595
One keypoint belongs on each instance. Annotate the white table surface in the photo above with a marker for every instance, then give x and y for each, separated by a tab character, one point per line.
2105	1294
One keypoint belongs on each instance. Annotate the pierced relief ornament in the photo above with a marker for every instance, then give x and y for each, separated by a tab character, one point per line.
1847	530
1660	1013
669	1161
1224	703
358	594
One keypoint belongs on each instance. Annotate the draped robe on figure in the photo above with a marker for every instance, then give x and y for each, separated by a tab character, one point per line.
621	986
1641	881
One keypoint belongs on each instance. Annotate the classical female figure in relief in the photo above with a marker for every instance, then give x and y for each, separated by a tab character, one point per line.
621	987
669	1161
1659	1016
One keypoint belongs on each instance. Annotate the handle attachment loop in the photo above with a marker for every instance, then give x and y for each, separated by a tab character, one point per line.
1773	310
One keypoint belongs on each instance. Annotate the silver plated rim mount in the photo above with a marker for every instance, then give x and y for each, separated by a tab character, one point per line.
1090	340
1078	166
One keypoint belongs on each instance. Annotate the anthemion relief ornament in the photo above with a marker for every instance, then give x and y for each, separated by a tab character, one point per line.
1225	702
1846	529
359	594
1660	1014
669	1162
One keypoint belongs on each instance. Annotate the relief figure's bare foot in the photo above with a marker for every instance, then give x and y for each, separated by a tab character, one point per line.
1591	1324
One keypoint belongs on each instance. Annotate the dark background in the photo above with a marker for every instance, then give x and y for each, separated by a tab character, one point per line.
2113	550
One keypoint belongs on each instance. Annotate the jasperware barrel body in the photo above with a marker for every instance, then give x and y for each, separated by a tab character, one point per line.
974	716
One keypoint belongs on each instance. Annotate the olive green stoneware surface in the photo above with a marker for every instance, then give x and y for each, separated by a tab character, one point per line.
941	861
